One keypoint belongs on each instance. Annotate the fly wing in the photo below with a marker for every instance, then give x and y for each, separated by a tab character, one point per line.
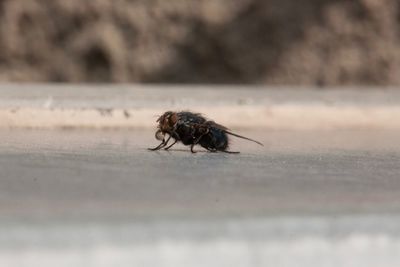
227	130
244	137
216	125
190	117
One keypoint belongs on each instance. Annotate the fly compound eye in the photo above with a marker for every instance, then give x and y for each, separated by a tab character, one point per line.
159	135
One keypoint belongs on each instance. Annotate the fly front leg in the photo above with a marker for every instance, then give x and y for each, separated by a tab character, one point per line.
163	144
158	147
175	135
168	147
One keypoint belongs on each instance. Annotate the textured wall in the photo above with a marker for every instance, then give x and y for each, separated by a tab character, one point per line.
309	42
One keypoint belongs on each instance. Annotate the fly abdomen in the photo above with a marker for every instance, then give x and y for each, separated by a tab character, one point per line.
215	139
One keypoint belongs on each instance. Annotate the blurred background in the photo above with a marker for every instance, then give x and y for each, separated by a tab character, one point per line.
279	42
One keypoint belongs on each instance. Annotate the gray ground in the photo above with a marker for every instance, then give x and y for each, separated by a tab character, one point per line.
85	174
99	198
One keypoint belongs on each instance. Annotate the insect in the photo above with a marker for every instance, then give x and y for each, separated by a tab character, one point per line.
193	129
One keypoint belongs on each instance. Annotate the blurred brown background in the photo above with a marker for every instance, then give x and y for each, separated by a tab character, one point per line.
309	42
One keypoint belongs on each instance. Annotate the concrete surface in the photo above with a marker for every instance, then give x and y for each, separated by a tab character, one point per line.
366	241
90	173
99	198
327	195
137	106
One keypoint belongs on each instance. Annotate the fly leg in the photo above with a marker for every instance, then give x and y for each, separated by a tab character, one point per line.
191	148
159	146
196	141
168	147
176	137
163	144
